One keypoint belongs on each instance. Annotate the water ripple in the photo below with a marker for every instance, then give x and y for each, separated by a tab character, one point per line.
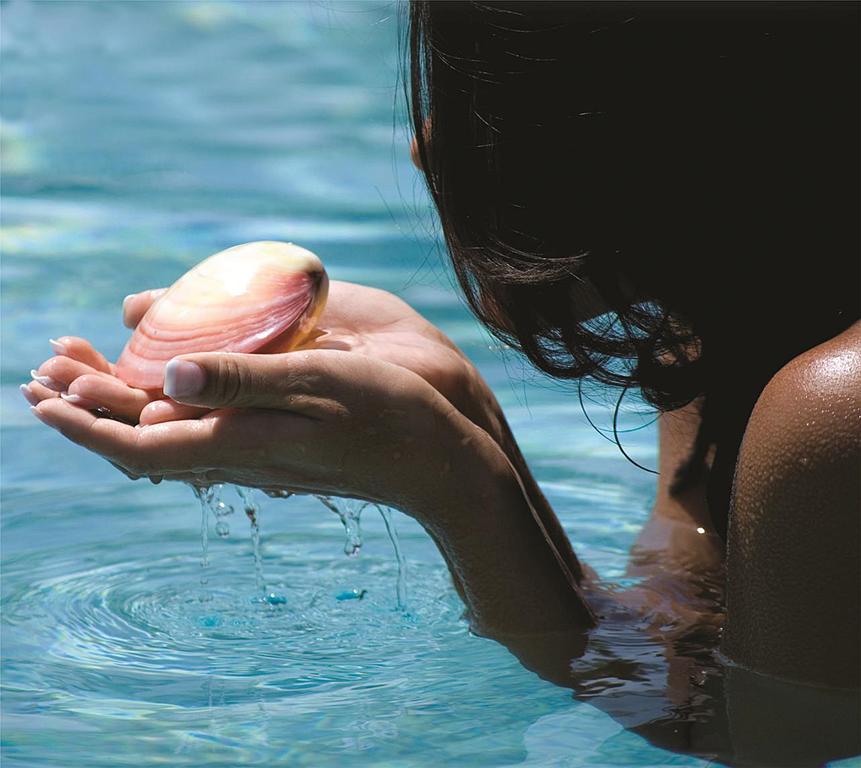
154	617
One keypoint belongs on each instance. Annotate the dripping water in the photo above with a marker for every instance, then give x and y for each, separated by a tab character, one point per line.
392	531
210	502
349	512
252	512
221	510
204	496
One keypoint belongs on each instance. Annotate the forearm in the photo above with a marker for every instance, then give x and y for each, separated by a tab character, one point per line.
513	577
540	504
479	405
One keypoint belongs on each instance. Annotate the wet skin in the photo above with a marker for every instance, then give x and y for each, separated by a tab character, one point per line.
383	378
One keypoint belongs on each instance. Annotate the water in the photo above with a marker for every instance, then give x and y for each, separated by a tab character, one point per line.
392	531
138	138
212	505
252	512
204	498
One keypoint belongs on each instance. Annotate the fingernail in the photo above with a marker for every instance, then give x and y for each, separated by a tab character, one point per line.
58	347
82	402
47	381
182	378
28	395
126	301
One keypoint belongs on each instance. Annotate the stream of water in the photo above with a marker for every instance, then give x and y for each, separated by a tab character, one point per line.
349	511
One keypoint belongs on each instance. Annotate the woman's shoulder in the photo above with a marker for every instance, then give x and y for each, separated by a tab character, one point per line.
809	414
795	521
804	431
811	409
804	435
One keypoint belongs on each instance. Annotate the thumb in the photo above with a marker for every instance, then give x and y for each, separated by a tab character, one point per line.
135	305
226	380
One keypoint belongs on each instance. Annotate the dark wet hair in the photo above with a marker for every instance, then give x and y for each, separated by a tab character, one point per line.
693	164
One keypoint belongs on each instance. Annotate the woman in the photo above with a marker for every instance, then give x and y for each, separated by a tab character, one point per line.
661	196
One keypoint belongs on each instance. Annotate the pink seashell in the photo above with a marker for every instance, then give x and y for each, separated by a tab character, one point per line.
256	297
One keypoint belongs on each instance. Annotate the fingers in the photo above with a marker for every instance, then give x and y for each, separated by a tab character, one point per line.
86	387
83	385
160	411
221	445
135	305
95	391
81	350
29	395
34	392
186	446
58	373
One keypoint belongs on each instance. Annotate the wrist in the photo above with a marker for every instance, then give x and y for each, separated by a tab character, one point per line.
495	542
459	468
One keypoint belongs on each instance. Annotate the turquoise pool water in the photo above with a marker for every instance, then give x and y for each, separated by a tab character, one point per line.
138	138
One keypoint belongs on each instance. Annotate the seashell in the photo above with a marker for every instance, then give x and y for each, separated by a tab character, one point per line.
257	297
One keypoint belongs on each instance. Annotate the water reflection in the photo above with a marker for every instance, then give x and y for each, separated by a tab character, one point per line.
666	680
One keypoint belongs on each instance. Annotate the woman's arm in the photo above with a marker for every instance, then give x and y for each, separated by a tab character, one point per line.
357	318
794	555
514	579
342	423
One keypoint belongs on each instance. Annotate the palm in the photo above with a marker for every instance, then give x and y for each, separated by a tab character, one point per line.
378	324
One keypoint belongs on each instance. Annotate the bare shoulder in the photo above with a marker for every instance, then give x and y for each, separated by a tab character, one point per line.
793	556
802	444
811	409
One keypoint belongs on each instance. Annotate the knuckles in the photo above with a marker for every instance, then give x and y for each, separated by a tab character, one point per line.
229	383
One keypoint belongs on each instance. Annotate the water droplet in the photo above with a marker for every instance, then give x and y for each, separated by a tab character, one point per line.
271	599
349	512
222	529
352	594
278	494
274	599
222	510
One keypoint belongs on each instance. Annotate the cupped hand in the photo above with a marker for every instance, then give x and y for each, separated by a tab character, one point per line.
359	324
82	376
357	318
321	421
